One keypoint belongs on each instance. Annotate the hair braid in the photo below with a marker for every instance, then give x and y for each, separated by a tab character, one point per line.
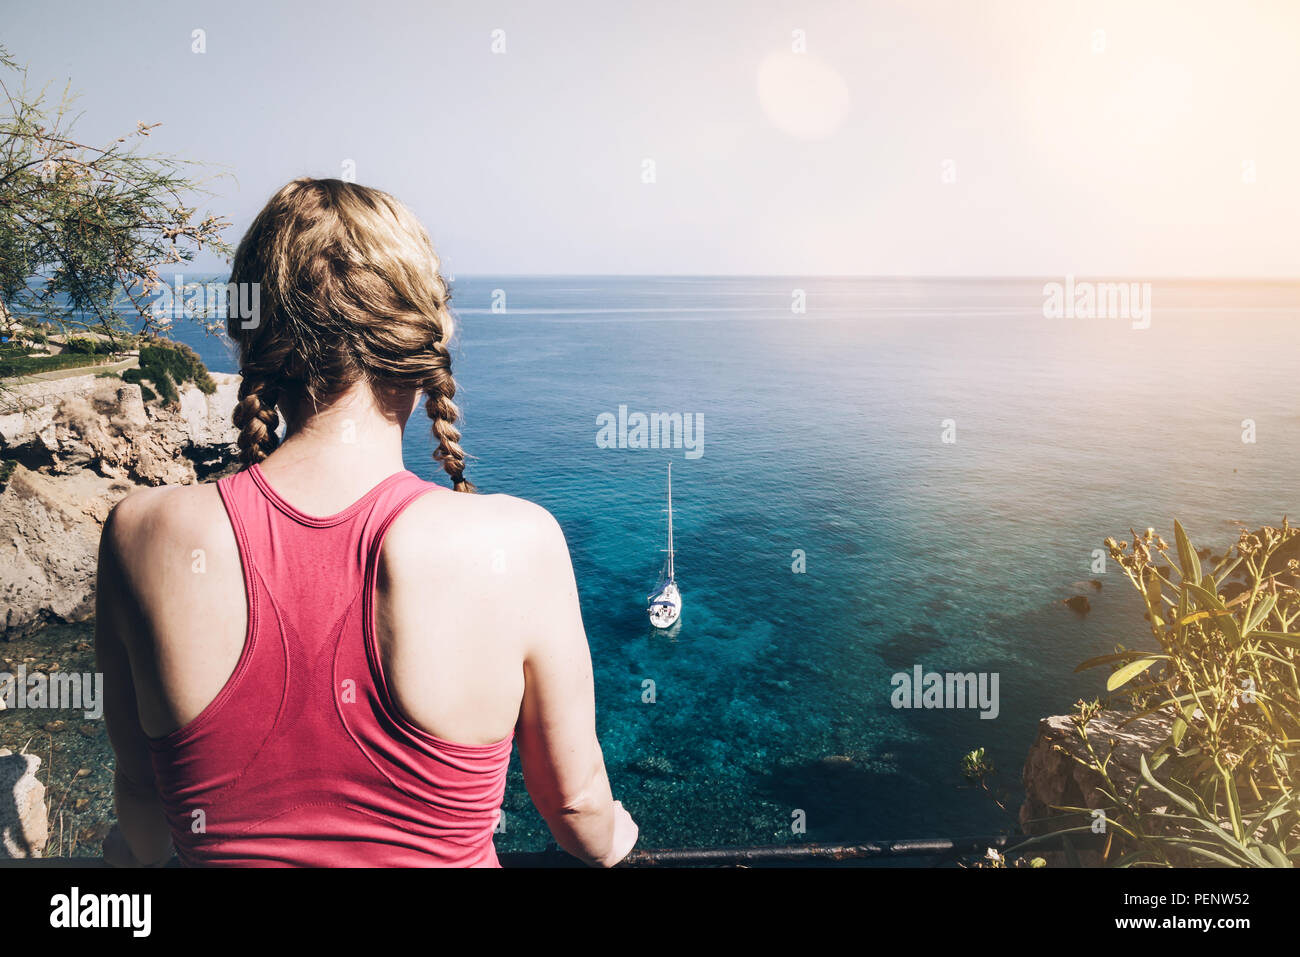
439	390
256	418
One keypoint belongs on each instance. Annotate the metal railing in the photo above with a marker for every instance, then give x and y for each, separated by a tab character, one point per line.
939	850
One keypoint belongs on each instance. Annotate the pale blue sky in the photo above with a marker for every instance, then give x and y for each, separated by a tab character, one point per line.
1126	153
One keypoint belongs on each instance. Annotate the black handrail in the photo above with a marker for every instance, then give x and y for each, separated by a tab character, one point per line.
740	856
760	855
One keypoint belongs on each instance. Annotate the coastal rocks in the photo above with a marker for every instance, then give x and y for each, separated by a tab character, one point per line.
49	543
24	824
104	425
1054	777
73	448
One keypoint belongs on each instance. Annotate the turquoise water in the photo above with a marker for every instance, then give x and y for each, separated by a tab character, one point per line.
822	433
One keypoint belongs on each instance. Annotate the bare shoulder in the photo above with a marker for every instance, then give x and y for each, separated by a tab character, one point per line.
165	517
500	534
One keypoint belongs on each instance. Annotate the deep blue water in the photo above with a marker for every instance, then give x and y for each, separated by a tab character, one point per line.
822	432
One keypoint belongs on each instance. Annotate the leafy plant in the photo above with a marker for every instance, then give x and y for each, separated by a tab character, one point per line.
86	345
21	365
85	226
1221	788
977	770
169	365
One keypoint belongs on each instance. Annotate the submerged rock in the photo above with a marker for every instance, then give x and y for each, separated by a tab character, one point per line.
654	766
838	761
1079	604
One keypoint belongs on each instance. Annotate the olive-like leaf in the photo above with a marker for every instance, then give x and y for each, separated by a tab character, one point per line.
1130	671
1187	559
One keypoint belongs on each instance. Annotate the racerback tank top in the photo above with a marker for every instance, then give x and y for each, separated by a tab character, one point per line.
303	758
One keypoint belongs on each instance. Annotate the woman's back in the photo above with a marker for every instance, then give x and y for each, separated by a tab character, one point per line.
303	744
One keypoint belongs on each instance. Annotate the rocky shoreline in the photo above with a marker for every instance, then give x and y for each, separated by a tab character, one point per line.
76	447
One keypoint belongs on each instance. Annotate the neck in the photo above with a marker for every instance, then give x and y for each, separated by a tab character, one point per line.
349	445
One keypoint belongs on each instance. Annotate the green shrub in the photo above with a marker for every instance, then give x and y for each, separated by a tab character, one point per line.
21	365
169	365
1225	679
89	345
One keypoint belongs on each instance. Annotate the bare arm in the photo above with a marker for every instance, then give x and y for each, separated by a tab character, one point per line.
564	769
142	835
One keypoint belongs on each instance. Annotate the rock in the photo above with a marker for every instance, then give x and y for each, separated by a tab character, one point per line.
103	424
80	445
1079	604
49	545
1053	778
654	766
94	834
1230	590
24	826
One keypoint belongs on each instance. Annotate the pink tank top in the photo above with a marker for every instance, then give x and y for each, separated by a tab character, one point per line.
303	758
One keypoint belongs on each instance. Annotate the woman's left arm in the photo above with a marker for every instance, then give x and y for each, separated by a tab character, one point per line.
141	836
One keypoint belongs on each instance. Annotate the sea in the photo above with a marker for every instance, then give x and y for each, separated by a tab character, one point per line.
882	475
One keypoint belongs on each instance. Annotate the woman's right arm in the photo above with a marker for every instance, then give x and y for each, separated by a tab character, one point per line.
564	769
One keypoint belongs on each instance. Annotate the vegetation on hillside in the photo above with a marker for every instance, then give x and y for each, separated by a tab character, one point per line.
1223	789
169	365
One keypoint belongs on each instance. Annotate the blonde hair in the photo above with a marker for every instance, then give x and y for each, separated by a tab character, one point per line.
348	290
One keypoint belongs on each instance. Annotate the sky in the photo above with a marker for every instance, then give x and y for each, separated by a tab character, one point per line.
968	138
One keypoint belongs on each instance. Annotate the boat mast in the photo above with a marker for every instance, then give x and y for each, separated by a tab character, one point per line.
670	521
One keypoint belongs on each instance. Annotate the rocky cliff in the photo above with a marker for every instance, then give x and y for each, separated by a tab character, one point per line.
75	447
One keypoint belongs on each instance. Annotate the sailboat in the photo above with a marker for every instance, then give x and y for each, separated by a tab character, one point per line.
665	605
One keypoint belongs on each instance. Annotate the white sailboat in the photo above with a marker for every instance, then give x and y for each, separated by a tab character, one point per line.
665	605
